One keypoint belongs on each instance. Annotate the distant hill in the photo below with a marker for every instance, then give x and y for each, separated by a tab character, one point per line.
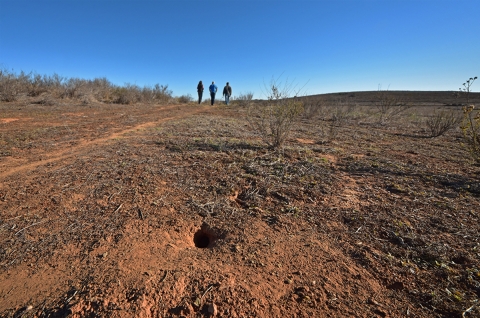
415	97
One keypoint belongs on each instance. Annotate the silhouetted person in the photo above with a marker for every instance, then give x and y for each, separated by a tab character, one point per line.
200	91
227	92
213	90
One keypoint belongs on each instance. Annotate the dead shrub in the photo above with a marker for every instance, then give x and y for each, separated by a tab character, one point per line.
243	100
102	89
274	119
441	122
128	94
86	91
162	94
185	99
314	108
10	86
338	116
389	106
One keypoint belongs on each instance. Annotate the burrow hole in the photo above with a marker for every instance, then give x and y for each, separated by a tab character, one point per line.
203	238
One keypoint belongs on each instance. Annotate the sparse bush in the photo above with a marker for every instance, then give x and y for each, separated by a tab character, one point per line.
274	119
37	86
185	99
102	89
441	122
55	86
128	94
243	100
314	108
9	86
162	94
471	131
389	106
340	114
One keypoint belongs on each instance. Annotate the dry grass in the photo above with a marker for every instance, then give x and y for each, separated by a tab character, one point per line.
395	212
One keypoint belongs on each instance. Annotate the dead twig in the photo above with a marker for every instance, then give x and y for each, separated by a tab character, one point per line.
118	209
164	277
31	226
468	310
208	289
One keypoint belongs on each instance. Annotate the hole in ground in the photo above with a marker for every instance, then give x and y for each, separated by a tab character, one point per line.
204	237
201	240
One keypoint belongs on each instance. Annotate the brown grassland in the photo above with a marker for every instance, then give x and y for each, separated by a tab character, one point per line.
180	210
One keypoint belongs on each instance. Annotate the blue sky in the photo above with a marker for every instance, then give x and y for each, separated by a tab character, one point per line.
322	46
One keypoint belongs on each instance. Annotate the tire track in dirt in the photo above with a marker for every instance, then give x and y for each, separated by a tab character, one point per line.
84	145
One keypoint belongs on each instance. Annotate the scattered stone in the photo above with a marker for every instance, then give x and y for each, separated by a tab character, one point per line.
188	309
212	309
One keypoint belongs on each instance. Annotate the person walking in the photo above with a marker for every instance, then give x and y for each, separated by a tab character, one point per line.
200	91
227	92
213	90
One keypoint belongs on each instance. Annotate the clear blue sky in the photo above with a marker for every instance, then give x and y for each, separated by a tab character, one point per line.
322	45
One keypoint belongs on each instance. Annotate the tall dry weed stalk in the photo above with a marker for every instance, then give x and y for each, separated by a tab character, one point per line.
471	131
467	88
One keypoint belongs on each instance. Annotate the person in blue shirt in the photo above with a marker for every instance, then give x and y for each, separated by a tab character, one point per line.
213	90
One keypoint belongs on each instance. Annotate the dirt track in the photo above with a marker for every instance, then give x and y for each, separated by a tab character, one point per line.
168	211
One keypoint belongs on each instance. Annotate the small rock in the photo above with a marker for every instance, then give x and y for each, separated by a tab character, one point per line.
212	309
188	309
288	281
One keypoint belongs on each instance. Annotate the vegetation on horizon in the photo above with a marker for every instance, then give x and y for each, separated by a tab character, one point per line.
48	88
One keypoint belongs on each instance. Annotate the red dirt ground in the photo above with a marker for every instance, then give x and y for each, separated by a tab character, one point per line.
181	211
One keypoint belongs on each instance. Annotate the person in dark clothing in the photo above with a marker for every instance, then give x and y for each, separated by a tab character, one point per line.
213	90
227	92
200	91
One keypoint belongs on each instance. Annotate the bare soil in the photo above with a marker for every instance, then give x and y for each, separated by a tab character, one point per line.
181	211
